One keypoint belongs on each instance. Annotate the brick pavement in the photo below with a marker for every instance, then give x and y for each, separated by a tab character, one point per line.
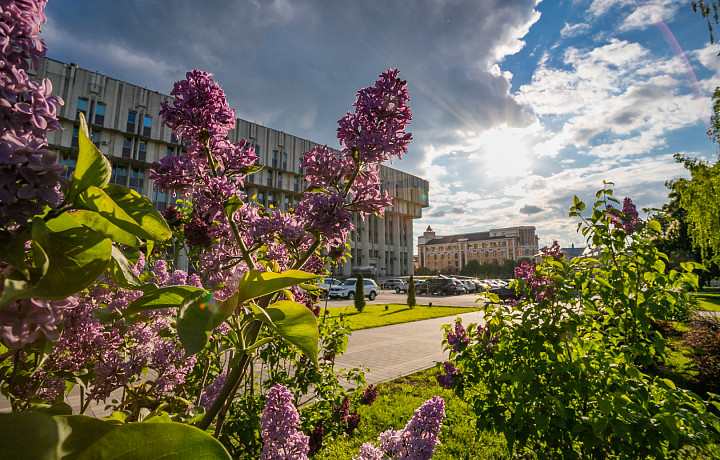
398	350
388	352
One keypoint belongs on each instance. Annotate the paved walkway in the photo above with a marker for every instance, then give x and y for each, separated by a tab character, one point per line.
401	349
388	352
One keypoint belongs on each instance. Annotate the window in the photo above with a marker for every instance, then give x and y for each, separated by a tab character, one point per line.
261	198
271	200
74	143
173	137
284	161
82	107
132	118
250	178
137	179
142	150
119	175
127	147
95	138
159	199
296	184
287	203
170	152
279	180
269	179
100	114
274	158
147	125
69	163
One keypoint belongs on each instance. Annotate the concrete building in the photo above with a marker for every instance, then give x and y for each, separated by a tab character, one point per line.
125	125
449	254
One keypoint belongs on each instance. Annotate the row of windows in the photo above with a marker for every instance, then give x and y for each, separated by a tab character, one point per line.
94	112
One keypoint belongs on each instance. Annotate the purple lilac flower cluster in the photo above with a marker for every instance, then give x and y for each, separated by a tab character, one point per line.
625	219
117	352
22	322
447	380
211	391
416	441
279	428
457	337
369	395
30	177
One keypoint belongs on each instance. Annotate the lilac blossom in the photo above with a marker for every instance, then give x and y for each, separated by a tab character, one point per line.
369	396
458	336
279	428
23	321
376	130
447	380
212	391
553	251
416	441
627	218
30	177
316	438
326	214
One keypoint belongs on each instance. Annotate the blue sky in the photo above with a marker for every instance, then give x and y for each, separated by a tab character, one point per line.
517	104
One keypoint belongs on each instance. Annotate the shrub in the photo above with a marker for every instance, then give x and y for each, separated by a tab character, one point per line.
562	369
360	293
411	293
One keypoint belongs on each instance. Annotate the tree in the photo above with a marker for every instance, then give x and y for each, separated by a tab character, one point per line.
360	293
411	292
424	271
698	199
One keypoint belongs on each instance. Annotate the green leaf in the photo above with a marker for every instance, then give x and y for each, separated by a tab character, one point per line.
256	283
95	199
250	169
92	168
155	440
198	318
654	226
233	204
97	222
121	271
659	266
166	297
40	436
77	256
316	189
296	324
141	210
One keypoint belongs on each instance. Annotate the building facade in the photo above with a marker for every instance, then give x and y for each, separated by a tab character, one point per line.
449	254
125	126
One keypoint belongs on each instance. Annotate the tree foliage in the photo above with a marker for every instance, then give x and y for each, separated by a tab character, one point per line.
360	293
698	199
411	293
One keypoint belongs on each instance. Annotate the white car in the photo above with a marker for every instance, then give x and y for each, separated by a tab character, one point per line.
346	289
325	285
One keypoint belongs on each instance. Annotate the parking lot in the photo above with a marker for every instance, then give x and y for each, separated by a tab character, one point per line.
387	296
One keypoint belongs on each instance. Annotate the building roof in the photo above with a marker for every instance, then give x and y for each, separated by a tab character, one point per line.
478	236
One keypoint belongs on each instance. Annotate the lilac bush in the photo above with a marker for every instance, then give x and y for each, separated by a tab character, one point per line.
279	431
30	176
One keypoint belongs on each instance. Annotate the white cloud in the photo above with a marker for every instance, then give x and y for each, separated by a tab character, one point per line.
573	30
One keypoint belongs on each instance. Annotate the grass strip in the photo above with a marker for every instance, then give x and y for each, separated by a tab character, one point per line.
394	313
709	301
396	402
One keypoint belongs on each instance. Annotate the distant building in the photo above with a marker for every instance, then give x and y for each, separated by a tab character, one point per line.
452	252
573	252
125	126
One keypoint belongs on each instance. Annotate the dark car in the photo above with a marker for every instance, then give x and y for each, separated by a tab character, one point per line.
444	286
505	292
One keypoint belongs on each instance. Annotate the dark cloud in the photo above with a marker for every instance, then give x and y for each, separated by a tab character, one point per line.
530	209
296	66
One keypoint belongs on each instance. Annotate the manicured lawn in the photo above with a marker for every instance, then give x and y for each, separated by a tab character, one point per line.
394	313
708	300
396	402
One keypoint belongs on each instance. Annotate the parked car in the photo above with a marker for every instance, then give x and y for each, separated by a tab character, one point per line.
391	284
403	287
445	286
469	285
325	285
346	289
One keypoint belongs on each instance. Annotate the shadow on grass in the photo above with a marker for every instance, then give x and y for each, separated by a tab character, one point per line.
396	311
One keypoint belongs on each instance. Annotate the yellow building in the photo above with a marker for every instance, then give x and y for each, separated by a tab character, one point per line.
449	254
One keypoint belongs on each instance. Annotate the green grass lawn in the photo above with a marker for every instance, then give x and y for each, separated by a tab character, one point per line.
396	402
394	313
708	300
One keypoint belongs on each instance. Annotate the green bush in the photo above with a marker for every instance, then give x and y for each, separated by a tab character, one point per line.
360	293
563	370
